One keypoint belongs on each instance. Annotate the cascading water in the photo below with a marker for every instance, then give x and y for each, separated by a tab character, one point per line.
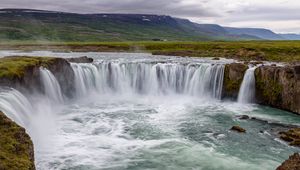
148	78
51	86
152	130
16	106
247	89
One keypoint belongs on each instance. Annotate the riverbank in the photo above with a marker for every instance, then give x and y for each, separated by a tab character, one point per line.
16	148
279	51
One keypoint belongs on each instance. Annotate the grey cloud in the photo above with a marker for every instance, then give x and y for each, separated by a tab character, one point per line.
266	13
165	7
214	11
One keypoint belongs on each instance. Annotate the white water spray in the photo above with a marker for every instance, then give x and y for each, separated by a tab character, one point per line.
247	89
16	106
51	86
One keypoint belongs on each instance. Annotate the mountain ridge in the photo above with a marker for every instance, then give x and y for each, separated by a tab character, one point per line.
33	25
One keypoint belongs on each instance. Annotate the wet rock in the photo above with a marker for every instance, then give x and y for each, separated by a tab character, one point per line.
243	117
256	63
259	120
27	78
233	77
293	163
216	58
278	87
238	129
292	136
83	59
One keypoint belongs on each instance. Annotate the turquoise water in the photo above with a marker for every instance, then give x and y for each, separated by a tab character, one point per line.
173	132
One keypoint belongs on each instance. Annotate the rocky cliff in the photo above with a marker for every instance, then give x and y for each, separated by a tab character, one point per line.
233	77
279	87
23	73
276	86
16	148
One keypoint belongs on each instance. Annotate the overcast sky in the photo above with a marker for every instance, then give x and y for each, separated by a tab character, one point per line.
278	15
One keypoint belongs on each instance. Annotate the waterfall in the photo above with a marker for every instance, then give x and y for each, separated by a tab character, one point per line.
204	80
51	86
15	106
247	89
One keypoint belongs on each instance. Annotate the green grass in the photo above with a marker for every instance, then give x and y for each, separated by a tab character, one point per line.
15	67
285	51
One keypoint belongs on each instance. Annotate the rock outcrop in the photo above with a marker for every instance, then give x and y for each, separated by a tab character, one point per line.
279	87
238	129
16	148
293	163
64	74
83	59
292	136
23	73
233	77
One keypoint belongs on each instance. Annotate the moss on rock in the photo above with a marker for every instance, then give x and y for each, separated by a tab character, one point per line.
233	77
15	66
16	148
22	73
278	87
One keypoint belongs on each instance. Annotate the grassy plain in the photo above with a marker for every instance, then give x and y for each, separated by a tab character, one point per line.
285	51
16	66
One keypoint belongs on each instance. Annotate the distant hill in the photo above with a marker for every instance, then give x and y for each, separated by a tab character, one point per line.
257	32
291	36
39	25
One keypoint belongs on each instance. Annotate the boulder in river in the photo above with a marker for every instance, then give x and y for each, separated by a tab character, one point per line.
293	163
238	129
243	117
292	136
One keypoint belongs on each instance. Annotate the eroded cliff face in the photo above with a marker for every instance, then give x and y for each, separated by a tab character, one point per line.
293	163
27	76
22	73
64	74
16	148
233	77
278	87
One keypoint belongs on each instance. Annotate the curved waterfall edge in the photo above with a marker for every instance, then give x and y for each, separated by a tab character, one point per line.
202	80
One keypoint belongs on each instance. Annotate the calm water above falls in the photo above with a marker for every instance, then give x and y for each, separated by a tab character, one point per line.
133	111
